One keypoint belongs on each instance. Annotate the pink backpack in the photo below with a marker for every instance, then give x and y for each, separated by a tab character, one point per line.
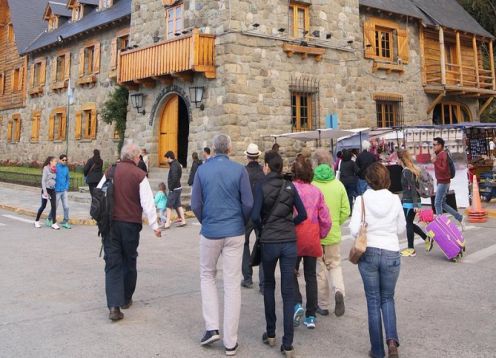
426	215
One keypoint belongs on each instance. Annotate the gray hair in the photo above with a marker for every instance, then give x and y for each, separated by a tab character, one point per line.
322	156
222	144
130	151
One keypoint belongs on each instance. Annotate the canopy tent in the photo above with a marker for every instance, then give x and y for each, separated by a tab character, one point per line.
318	134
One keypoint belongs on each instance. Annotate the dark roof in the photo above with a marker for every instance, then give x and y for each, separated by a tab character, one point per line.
89	2
448	13
92	20
27	18
451	14
59	9
402	7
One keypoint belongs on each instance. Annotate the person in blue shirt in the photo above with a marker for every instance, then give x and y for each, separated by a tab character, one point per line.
221	200
62	182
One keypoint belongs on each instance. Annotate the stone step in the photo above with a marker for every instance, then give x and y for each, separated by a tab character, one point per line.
158	175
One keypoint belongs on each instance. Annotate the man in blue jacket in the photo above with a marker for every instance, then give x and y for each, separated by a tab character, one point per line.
62	181
222	202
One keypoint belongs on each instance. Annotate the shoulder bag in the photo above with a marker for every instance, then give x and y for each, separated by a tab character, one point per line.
360	244
256	254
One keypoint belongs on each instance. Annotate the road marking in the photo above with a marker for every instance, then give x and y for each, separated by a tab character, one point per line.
18	219
480	255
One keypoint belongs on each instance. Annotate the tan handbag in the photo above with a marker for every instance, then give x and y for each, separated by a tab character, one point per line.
360	244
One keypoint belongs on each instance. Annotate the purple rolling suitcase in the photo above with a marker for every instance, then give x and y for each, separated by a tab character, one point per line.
448	236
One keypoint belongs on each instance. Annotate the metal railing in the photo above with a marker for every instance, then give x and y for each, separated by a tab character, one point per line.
35	179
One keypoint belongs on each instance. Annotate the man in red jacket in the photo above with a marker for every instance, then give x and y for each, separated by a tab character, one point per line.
443	177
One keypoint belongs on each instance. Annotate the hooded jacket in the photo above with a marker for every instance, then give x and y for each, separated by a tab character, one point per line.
62	180
336	199
384	217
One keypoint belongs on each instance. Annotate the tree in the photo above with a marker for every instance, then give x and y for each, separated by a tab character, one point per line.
484	11
115	111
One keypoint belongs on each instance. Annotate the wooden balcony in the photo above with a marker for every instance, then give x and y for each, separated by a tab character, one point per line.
457	64
179	57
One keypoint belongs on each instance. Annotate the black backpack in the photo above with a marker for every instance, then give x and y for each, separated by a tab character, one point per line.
451	165
102	205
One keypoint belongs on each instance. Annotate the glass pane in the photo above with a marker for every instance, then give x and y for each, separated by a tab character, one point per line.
377	43
301	22
454	114
293	111
379	114
291	21
436	115
446	110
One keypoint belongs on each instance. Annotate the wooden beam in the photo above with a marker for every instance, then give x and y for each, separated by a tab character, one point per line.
422	54
476	60
443	56
485	105
438	100
459	57
491	61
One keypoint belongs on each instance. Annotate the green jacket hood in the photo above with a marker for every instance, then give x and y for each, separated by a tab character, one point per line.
324	173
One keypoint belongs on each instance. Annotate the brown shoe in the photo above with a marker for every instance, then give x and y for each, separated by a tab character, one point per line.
115	314
128	304
339	308
392	349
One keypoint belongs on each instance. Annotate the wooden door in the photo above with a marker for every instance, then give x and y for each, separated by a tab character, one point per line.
168	129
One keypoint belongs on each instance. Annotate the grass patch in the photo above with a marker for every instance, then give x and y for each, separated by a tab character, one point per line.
35	171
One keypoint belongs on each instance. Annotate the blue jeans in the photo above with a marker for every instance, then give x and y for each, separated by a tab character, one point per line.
64	198
362	186
380	270
285	253
440	202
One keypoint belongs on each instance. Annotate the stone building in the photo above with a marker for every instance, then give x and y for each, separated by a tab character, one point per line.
251	68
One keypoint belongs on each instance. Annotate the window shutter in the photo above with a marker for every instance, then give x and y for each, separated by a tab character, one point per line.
81	63
77	131
9	131
96	58
12	82
51	126
21	78
67	58
2	83
43	73
53	70
369	39
403	48
18	130
93	123
64	125
31	76
33	128
113	54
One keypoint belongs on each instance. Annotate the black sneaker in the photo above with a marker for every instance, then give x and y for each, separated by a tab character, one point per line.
288	351
247	284
210	337
322	312
232	351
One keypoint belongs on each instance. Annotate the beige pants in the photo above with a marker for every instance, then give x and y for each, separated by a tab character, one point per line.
231	249
330	274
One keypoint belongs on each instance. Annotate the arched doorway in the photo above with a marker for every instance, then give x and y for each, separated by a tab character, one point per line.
173	130
450	113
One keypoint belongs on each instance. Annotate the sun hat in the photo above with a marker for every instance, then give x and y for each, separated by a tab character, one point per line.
252	150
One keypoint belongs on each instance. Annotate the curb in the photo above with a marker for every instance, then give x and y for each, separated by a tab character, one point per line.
86	222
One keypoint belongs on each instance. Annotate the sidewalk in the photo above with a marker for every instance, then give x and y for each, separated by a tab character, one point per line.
26	200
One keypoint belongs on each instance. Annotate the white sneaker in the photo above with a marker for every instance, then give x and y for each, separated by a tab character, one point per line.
463	223
55	227
37	224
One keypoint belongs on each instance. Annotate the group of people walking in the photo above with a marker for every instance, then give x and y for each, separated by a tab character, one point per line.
297	224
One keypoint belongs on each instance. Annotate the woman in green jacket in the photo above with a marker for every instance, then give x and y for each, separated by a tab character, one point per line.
330	273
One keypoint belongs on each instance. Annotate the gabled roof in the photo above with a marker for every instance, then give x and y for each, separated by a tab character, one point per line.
95	19
448	13
57	9
27	18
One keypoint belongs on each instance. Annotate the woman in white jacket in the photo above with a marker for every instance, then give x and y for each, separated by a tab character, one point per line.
380	265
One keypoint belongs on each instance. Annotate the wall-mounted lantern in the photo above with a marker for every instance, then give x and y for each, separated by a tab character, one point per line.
137	102
196	96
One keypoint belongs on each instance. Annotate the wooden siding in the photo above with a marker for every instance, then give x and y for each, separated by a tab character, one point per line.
193	52
9	61
463	66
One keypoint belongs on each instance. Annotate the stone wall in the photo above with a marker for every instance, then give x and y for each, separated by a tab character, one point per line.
78	150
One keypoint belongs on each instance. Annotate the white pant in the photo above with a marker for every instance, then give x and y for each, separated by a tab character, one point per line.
231	249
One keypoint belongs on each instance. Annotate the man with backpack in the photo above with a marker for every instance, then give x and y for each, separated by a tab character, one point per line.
131	197
445	171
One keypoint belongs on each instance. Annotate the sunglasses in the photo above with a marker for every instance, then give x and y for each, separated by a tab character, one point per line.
64	160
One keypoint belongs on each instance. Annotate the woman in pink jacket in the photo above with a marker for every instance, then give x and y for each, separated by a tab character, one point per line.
308	235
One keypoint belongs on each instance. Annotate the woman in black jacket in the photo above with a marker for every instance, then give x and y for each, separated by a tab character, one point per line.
93	171
349	175
194	166
274	203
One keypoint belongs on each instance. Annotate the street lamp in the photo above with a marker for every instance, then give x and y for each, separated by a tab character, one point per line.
196	96
137	102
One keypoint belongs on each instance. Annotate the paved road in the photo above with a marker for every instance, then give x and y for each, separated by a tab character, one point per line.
52	301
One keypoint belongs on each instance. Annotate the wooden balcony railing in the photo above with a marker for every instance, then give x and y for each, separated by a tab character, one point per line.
193	52
454	63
